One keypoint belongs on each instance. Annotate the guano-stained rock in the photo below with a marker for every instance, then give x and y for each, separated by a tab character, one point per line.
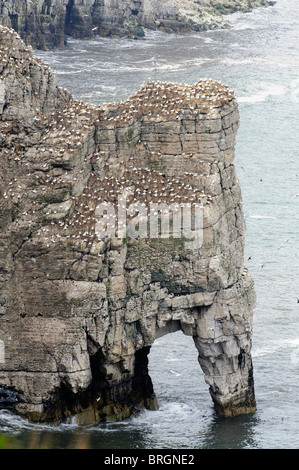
80	307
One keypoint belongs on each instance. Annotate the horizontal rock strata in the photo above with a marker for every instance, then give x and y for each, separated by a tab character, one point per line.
84	290
45	23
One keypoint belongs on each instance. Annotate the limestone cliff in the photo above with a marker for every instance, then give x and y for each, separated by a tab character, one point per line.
45	23
80	307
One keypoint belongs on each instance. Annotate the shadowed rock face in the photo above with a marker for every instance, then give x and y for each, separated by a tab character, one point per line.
45	23
83	295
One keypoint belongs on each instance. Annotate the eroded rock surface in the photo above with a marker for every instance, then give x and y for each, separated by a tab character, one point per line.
45	23
78	311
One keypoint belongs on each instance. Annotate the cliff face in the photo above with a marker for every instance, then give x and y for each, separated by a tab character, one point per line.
88	277
44	23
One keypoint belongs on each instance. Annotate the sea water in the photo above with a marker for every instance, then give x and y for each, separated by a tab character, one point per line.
258	57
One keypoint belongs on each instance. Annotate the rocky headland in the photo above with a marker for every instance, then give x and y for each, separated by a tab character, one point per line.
45	24
80	307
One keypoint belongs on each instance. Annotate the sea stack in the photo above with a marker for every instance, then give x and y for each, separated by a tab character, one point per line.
91	268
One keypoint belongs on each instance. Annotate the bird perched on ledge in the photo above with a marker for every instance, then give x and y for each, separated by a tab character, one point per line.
161	100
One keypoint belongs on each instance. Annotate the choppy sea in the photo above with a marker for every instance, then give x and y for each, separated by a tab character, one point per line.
259	59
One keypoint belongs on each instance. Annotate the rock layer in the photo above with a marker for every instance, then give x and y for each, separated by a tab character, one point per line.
81	303
45	23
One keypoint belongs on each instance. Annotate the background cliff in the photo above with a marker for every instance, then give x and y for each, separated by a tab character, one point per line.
45	23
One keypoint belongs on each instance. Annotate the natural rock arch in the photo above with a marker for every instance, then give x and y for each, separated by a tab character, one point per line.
81	311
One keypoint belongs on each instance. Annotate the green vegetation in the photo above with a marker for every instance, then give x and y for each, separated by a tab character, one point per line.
9	442
130	134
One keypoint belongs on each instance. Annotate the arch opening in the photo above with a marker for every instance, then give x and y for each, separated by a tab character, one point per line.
175	370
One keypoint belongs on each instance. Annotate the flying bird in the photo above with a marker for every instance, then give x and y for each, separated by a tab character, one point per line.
175	373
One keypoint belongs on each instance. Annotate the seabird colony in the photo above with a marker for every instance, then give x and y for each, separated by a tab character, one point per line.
165	101
66	130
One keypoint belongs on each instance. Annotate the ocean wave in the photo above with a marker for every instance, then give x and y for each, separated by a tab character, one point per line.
245	25
270	348
263	351
11	422
264	93
147	66
71	72
262	217
292	342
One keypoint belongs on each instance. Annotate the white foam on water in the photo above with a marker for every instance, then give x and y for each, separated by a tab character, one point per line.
71	72
271	347
267	91
208	40
292	342
264	351
243	61
244	25
10	422
262	217
171	359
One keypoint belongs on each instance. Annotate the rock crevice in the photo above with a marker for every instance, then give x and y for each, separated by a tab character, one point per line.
88	280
